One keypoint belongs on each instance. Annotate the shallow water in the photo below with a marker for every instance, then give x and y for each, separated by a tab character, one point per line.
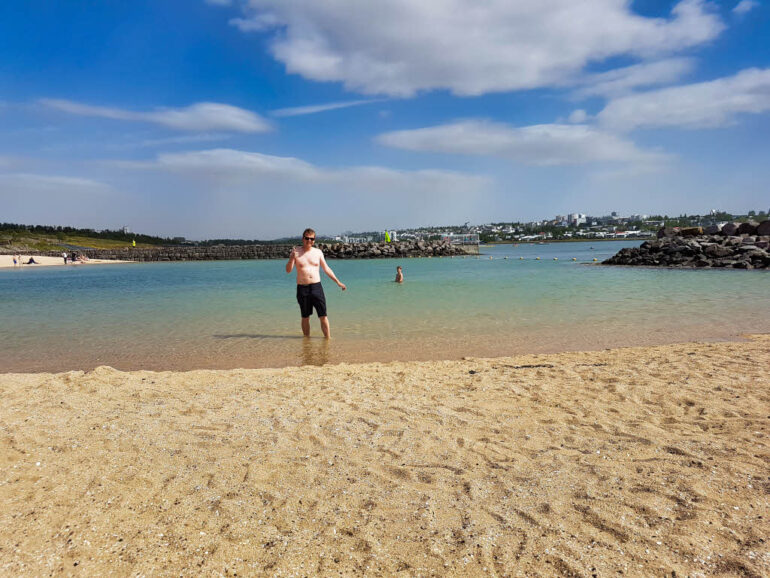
230	314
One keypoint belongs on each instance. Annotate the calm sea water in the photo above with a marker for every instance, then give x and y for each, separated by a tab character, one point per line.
232	314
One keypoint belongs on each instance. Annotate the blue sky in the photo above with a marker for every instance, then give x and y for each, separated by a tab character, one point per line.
258	118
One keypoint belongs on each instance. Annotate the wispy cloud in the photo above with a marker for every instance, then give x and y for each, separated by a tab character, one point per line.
202	116
29	183
745	6
709	104
624	80
464	46
312	109
539	145
231	164
249	189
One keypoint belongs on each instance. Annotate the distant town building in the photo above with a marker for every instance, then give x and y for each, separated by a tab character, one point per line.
461	238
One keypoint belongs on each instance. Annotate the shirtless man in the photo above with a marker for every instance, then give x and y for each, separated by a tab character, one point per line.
310	294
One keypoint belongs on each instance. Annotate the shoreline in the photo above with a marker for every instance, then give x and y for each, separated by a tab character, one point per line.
6	261
645	460
318	352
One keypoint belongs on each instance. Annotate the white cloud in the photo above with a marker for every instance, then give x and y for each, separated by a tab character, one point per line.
312	109
702	105
30	183
270	196
745	6
229	165
623	80
578	116
397	47
543	145
201	116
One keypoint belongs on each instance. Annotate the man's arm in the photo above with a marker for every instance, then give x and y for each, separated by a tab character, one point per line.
290	263
330	273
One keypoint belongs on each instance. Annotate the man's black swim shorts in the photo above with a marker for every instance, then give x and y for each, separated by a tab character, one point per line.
309	296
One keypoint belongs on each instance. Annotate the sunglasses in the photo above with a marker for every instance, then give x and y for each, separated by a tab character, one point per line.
309	238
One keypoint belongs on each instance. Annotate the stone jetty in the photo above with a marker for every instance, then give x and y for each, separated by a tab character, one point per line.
734	245
395	250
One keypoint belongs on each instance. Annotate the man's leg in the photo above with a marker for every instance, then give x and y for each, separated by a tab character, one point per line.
325	326
306	326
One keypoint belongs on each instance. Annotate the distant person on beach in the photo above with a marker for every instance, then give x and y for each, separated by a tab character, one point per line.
15	262
64	255
32	261
310	293
399	275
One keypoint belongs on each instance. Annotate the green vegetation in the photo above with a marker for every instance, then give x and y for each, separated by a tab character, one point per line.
705	220
18	237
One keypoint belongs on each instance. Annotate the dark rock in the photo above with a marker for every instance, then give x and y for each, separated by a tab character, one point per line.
764	228
667	232
748	228
712	230
705	251
717	251
267	251
691	232
730	229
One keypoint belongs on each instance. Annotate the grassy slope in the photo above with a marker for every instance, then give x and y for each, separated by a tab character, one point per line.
10	242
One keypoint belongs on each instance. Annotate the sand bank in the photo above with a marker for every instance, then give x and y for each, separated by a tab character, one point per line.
640	461
44	261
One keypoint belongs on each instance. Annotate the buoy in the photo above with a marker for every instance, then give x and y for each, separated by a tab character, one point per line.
573	258
555	258
594	258
537	258
521	258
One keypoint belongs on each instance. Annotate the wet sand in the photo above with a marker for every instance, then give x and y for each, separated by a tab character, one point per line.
640	461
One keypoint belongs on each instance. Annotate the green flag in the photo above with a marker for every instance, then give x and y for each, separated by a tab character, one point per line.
387	237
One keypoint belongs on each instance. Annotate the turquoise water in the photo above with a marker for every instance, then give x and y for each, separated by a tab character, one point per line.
230	314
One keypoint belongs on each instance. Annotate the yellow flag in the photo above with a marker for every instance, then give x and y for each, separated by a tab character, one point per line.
133	242
387	237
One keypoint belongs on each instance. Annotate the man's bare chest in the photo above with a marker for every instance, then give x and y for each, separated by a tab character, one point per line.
308	260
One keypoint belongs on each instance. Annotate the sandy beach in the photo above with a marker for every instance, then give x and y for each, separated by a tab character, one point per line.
44	261
637	461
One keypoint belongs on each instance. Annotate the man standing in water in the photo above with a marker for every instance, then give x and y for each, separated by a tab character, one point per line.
310	294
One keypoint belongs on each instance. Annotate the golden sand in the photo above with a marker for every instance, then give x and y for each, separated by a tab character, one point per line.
640	461
6	261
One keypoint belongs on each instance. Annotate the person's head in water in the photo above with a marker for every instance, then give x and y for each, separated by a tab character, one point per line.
308	238
399	275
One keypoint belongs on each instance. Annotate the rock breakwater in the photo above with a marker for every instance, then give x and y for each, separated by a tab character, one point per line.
734	245
402	249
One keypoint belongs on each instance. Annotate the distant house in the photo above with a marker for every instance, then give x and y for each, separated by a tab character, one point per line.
461	238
